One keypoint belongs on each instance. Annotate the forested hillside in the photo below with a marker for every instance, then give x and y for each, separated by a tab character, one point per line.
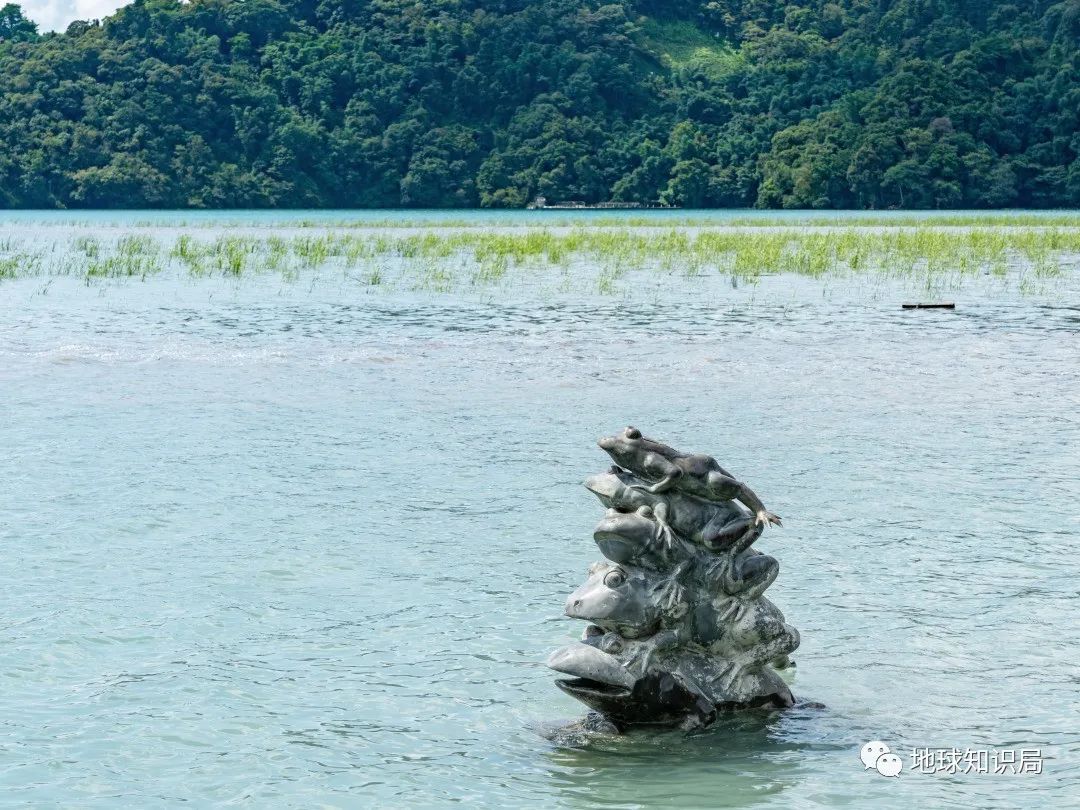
446	103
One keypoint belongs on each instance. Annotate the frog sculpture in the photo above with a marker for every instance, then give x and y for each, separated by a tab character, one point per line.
679	630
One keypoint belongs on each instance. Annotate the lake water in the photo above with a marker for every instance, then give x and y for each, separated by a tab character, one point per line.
307	544
277	218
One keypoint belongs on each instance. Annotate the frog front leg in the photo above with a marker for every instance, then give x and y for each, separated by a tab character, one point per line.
664	538
762	516
656	466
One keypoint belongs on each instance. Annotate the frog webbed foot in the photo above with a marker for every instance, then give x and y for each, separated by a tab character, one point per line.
725	681
764	518
643	657
645	654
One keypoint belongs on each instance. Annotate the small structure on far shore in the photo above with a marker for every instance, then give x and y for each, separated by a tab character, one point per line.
542	204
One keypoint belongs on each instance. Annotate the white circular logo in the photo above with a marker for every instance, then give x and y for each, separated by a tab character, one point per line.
871	751
889	765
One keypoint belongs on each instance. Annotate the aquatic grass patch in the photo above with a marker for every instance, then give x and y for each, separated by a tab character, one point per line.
89	246
14	266
137	245
122	266
313	251
598	257
231	254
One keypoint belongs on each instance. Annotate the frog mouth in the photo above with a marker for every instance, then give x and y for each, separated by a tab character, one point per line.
596	675
617	547
583	688
605	486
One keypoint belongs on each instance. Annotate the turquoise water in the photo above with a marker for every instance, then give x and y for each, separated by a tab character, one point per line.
494	216
304	544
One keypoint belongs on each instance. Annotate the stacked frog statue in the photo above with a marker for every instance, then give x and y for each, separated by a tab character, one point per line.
679	629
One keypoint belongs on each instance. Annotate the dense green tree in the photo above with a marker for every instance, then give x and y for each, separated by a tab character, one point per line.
14	26
808	163
444	103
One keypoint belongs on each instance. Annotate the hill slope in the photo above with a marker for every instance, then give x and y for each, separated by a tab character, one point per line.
443	103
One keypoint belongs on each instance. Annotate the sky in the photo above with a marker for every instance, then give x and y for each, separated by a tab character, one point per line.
55	15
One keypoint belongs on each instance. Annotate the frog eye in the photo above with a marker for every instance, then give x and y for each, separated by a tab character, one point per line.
614	579
633	433
645	510
611	643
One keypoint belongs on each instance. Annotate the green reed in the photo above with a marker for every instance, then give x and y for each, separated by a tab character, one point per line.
443	258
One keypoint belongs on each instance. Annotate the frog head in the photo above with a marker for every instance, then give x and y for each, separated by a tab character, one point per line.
626	536
630	601
623	447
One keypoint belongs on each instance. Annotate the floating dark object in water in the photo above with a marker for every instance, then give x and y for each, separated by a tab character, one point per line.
679	629
942	305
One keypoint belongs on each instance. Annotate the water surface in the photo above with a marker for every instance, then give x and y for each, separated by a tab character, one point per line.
305	544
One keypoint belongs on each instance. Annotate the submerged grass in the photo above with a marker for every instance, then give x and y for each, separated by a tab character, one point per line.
444	258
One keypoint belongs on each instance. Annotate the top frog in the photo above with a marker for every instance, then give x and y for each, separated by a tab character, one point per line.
697	475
